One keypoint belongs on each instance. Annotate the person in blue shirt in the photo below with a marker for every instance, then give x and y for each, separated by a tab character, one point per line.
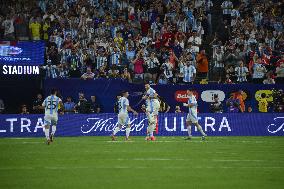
69	105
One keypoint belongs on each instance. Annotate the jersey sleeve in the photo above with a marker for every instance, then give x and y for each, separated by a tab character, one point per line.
127	102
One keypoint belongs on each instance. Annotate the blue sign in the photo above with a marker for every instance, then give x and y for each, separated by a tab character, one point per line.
169	125
106	90
22	52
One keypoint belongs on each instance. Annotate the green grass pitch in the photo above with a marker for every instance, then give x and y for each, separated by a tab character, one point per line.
169	162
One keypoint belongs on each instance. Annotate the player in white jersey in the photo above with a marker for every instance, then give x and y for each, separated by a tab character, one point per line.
51	105
192	115
123	118
152	110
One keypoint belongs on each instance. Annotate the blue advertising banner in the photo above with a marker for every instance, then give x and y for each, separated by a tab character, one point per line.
169	125
22	53
106	90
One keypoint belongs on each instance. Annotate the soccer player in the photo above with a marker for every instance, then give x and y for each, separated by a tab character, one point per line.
123	118
152	110
51	105
192	115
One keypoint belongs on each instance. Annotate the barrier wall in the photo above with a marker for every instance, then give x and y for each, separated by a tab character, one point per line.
107	89
254	124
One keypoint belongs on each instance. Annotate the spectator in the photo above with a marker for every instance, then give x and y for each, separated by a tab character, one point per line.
280	74
230	74
219	67
37	104
8	25
35	28
241	73
249	109
269	80
138	63
84	38
162	79
202	65
113	72
195	41
2	106
21	27
167	68
69	105
126	75
227	7
153	65
83	106
178	110
259	72
24	109
189	72
95	107
88	75
216	106
228	80
74	63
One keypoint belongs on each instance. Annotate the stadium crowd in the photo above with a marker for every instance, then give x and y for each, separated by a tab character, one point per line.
163	41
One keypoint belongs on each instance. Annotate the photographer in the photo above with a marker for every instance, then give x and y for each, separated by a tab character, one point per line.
83	106
216	106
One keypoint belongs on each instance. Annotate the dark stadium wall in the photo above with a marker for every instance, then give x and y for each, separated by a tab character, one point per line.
18	90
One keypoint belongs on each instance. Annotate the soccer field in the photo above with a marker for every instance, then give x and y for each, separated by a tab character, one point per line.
169	162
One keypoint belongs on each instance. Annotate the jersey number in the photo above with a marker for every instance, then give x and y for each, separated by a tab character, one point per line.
51	105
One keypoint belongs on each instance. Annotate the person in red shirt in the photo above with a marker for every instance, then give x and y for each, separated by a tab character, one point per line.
145	26
138	66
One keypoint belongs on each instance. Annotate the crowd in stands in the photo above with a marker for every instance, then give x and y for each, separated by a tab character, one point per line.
162	41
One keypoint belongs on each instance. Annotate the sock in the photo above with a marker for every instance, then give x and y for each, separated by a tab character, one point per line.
53	129
46	131
201	130
189	130
116	130
127	132
151	130
148	131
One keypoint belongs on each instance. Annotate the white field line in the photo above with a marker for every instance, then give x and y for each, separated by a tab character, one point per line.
138	167
239	160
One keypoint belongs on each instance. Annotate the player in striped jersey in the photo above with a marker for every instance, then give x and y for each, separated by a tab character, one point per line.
51	105
152	110
123	118
192	115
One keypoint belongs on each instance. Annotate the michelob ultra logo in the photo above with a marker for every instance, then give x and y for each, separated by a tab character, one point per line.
181	96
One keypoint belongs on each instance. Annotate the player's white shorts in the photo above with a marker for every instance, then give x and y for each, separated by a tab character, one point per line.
153	107
152	118
50	119
192	117
123	119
